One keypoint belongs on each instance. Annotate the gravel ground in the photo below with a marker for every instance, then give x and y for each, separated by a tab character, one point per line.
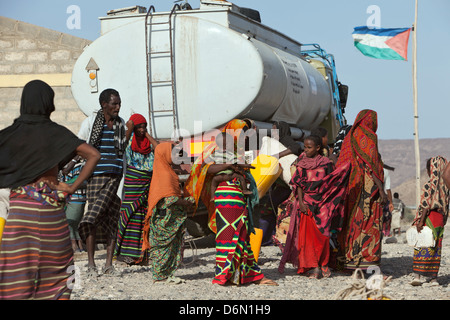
135	282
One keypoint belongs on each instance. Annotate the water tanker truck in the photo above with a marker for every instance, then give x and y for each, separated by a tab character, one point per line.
207	66
189	71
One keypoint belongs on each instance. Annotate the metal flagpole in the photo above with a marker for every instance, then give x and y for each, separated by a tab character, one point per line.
416	116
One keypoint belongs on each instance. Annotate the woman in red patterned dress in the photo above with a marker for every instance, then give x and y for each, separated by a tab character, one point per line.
360	239
315	209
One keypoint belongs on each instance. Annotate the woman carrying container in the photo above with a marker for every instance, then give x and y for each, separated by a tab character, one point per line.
433	213
231	221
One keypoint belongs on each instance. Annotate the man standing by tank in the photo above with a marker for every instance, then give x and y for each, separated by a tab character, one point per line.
106	131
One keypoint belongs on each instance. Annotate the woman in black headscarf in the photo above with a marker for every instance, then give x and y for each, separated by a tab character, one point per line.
36	257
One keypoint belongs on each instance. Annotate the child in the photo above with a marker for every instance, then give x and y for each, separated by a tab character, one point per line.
323	134
224	156
315	209
76	205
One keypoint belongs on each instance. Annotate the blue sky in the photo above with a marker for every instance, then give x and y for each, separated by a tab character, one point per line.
382	85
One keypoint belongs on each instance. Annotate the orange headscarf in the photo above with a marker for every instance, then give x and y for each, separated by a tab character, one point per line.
198	182
165	183
236	126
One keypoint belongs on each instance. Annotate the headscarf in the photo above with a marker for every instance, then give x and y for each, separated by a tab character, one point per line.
285	137
361	145
236	126
198	182
37	99
140	144
435	193
34	144
165	183
312	163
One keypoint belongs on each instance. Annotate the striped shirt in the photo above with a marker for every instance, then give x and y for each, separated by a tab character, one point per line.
110	162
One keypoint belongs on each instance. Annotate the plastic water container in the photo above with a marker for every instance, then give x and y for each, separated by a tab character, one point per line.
255	242
2	226
422	239
266	172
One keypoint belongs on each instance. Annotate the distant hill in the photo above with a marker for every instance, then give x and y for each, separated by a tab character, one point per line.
400	154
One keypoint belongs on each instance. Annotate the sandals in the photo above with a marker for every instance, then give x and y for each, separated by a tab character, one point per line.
92	272
418	281
326	273
433	282
128	260
174	280
111	271
323	272
170	280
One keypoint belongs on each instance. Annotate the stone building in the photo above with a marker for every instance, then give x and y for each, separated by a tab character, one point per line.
29	52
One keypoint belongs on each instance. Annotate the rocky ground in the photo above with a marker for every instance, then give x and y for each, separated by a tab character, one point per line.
135	282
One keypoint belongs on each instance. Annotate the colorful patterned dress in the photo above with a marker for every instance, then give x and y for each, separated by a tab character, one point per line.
363	231
435	198
360	239
134	207
166	237
235	261
323	188
36	256
427	261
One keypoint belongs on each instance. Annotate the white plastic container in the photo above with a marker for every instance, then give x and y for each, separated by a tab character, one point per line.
422	239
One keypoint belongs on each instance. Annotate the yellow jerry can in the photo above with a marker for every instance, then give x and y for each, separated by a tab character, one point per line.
266	172
2	226
255	242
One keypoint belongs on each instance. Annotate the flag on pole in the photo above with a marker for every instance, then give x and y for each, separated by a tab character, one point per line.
382	43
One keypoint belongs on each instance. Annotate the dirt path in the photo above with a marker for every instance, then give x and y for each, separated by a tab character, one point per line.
135	283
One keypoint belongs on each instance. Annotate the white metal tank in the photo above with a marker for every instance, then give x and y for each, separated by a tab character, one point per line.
195	70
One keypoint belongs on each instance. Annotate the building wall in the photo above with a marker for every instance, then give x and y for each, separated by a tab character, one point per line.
29	52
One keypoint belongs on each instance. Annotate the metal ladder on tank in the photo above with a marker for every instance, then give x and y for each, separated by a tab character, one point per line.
150	83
